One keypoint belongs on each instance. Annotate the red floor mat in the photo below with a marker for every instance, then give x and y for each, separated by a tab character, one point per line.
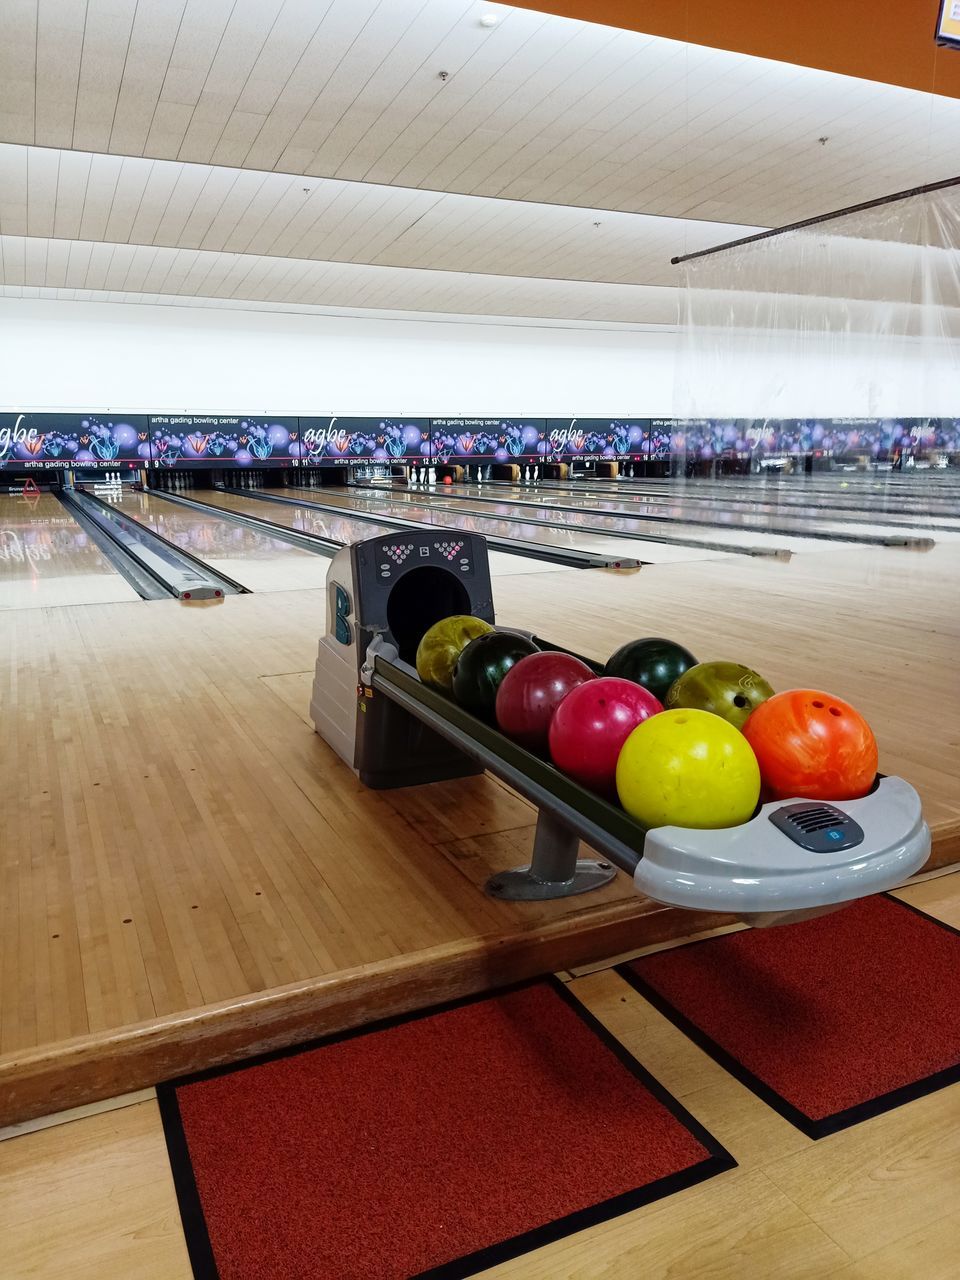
435	1145
830	1021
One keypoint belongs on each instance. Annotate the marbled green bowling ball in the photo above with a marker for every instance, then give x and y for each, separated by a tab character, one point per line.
442	645
727	689
653	662
481	667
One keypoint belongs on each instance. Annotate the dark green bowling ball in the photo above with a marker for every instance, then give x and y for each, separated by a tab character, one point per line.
481	667
653	662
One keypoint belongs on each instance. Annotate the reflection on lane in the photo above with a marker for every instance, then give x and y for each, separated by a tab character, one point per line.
517	530
733	511
586	533
843	494
46	558
257	560
636	516
303	519
309	520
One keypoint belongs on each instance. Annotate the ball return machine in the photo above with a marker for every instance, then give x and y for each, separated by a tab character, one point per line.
792	860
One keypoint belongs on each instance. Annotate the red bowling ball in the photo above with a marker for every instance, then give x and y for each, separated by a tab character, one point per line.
531	692
591	725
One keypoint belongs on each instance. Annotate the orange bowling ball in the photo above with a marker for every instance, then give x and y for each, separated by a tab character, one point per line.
812	745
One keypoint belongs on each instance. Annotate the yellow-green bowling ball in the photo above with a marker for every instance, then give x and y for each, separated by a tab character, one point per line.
441	646
688	768
725	688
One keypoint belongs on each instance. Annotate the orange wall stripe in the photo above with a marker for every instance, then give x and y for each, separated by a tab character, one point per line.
892	41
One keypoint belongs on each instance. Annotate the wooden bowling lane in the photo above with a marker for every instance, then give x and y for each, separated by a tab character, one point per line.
46	558
259	561
842	493
737	532
873	494
735	510
523	527
192	873
308	519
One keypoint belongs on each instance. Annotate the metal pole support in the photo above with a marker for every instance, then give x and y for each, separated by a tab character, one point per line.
555	871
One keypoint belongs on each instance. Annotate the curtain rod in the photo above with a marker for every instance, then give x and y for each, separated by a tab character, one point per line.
823	217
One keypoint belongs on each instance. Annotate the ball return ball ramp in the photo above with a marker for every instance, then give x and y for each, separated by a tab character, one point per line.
792	860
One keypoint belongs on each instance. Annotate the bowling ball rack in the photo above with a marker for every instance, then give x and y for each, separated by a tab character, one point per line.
793	858
681	867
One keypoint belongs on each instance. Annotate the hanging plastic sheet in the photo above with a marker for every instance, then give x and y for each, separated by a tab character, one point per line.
836	342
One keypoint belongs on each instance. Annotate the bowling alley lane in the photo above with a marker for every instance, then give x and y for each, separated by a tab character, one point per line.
661	542
257	560
516	524
308	519
46	558
876	498
676	521
735	506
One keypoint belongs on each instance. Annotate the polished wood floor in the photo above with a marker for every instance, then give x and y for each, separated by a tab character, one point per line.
188	873
880	1201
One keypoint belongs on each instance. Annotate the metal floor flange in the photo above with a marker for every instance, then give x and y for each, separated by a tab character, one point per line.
555	870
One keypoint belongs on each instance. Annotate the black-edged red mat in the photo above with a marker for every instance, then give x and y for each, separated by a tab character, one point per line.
830	1021
432	1145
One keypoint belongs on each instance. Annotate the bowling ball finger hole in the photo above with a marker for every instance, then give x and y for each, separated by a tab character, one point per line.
740	701
818	704
835	711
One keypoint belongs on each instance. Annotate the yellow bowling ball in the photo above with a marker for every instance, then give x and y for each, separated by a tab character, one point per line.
688	768
441	646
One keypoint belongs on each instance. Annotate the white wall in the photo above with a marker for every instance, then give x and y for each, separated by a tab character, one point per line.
778	374
100	356
110	356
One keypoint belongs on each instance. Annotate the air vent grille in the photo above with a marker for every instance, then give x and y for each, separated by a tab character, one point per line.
821	828
818	819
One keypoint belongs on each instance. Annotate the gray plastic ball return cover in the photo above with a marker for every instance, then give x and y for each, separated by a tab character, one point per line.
758	872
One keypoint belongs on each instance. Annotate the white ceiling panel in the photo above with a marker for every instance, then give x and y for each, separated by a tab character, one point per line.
309	154
70	194
537	108
200	273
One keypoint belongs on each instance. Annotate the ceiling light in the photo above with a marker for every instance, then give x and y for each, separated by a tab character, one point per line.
489	19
